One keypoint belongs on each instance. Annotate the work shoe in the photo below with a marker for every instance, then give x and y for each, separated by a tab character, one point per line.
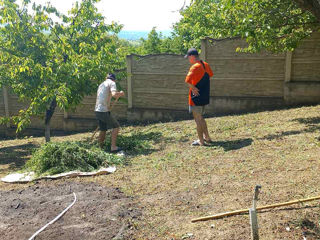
197	143
116	150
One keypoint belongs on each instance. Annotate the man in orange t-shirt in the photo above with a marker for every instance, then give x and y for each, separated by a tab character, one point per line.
198	80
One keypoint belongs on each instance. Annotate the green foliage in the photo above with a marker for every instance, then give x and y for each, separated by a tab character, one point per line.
54	158
275	25
156	43
136	142
45	60
152	44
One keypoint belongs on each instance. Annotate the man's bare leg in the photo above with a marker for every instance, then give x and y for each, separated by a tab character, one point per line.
205	130
102	137
197	118
114	135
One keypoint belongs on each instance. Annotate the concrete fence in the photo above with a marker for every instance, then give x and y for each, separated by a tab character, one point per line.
242	82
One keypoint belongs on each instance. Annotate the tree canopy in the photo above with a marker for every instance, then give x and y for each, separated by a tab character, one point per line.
275	25
49	63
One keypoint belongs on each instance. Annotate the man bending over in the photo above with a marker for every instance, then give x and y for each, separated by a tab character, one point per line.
105	92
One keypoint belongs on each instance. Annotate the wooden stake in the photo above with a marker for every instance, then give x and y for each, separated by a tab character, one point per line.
226	214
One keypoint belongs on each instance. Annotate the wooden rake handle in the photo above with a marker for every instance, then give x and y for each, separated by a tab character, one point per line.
226	214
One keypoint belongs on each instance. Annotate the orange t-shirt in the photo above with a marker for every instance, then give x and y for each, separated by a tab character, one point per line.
195	74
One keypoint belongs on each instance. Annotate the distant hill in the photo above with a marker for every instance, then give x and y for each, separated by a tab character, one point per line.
136	35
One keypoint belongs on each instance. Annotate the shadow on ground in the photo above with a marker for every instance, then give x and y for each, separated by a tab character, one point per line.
232	145
312	125
16	156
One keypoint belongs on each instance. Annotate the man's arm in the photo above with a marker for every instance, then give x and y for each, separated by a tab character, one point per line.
192	72
116	94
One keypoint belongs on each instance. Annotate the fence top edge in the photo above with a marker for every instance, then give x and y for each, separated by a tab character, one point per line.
157	54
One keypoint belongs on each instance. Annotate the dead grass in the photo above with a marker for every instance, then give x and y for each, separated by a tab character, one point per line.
173	182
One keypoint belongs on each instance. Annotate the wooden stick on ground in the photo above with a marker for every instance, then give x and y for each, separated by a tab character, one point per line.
221	215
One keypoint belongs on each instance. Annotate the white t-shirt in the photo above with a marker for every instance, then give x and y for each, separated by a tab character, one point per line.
104	95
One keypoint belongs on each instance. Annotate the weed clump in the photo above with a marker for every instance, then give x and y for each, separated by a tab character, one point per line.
58	157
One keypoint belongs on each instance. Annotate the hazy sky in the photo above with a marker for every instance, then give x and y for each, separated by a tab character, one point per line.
133	14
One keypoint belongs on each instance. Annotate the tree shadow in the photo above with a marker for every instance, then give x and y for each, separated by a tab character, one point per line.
232	145
312	125
16	156
308	121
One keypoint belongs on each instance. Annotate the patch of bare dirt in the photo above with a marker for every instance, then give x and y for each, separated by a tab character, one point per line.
99	212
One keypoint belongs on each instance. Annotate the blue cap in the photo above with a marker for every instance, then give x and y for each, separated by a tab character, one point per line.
111	76
191	51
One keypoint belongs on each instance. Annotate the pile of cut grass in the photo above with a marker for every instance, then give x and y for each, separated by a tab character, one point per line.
58	157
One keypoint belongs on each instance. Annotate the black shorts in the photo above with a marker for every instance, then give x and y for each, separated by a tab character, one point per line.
106	121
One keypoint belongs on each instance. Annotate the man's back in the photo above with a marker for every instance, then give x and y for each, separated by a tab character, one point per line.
104	95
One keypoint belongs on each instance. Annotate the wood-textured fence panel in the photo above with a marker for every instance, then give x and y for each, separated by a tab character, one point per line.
263	69
167	82
238	74
163	100
171	63
157	81
247	88
228	49
306	60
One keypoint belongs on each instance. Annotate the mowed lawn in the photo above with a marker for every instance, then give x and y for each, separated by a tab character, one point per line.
173	182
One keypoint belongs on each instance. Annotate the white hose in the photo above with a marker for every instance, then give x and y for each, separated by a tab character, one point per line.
57	217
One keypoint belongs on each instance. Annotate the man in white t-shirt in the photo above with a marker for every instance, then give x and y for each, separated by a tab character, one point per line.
105	92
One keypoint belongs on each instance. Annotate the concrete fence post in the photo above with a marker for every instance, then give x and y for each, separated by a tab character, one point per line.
203	54
129	80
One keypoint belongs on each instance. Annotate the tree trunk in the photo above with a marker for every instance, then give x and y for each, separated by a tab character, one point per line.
47	132
49	114
312	6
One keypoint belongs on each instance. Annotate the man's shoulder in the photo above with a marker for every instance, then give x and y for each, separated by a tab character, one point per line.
195	66
205	63
199	64
108	82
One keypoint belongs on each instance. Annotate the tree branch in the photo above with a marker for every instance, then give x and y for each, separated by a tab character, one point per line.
312	6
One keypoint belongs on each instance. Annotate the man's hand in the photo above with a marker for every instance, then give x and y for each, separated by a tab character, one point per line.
195	91
117	94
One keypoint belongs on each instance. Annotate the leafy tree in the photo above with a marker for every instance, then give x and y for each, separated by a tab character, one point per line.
152	44
51	63
275	25
156	43
173	44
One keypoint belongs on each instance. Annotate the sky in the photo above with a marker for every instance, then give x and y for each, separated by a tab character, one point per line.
135	15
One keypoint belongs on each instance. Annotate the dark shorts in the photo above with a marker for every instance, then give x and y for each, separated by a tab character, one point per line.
106	121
